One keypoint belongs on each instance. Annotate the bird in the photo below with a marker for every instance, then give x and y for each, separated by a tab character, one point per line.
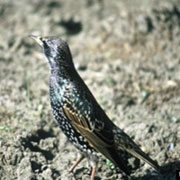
79	115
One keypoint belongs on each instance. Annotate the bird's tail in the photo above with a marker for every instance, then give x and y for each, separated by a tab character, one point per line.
125	143
138	153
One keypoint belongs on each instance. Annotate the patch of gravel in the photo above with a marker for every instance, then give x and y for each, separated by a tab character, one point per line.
128	54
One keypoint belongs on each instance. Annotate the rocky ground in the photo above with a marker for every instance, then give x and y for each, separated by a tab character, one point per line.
128	54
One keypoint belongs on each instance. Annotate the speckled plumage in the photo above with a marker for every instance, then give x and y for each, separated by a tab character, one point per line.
79	115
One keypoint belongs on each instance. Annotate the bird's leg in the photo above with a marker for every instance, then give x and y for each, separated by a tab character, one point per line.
81	157
94	163
93	172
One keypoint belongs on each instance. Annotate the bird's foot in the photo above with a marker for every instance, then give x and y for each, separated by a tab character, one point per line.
76	163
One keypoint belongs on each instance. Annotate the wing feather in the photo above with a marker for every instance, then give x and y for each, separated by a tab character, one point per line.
86	128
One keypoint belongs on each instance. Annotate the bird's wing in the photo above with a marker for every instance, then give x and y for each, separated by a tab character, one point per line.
88	125
96	128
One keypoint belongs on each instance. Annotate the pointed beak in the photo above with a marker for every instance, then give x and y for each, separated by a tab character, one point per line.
38	39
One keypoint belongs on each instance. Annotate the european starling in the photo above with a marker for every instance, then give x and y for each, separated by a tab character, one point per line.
79	115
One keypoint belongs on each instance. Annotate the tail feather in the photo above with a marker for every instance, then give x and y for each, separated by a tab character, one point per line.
138	153
124	143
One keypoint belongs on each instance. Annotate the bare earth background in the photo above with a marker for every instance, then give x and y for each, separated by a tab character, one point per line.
128	52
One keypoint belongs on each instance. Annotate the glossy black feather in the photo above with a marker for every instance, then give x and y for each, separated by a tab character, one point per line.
78	113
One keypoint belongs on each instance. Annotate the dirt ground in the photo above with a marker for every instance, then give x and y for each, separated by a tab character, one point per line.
128	54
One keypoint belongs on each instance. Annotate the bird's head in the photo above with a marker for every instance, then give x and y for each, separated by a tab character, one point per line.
55	49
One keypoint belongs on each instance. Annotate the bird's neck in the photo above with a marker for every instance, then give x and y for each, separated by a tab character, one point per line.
61	74
61	77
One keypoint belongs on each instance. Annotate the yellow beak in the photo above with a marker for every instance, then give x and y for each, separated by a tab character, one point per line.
37	39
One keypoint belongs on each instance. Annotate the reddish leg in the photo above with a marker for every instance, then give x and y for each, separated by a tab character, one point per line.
76	163
93	172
